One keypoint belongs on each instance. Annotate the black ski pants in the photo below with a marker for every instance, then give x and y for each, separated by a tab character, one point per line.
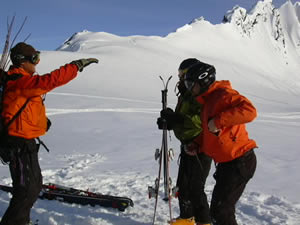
27	181
231	179
192	174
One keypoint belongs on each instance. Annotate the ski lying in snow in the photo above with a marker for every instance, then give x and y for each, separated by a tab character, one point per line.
71	195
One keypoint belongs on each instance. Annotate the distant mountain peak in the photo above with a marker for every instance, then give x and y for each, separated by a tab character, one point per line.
197	20
69	43
245	21
264	17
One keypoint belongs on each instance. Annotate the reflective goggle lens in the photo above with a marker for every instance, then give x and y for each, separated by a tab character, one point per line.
189	84
35	58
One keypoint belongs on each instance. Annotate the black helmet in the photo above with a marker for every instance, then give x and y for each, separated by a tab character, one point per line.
202	73
185	64
183	68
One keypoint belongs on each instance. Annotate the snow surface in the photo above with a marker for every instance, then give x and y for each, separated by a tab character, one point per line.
104	132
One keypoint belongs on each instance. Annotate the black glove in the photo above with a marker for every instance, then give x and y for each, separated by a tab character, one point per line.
169	117
161	124
81	63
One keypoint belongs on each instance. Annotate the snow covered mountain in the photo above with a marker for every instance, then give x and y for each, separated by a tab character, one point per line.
281	26
104	133
266	38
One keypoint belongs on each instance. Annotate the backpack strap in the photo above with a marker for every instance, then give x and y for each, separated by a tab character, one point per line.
40	142
17	114
12	77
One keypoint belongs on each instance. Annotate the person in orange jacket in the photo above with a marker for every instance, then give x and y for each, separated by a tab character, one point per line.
25	118
224	138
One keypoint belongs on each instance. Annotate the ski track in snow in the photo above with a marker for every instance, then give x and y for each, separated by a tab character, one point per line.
57	111
288	118
101	97
75	164
53	111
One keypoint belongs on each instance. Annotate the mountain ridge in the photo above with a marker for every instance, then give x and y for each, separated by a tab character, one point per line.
280	25
272	47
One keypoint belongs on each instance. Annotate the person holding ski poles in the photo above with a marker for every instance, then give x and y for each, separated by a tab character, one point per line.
224	138
23	97
194	166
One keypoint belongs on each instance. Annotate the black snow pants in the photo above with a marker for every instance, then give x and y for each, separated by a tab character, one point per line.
192	174
27	180
231	179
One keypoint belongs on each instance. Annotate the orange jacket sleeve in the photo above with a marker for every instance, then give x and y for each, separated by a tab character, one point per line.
36	85
240	111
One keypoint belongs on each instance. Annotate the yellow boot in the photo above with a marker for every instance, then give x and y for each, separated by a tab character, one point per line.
180	221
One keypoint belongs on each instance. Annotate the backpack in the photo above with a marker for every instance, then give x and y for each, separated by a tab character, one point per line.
4	78
4	151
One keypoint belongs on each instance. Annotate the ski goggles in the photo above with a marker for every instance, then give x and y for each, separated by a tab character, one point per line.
34	59
181	73
189	84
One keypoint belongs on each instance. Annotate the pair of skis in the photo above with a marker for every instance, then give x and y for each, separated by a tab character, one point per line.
163	155
4	60
71	195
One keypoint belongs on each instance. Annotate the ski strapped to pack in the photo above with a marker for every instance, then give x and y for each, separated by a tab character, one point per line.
163	155
4	78
76	196
4	60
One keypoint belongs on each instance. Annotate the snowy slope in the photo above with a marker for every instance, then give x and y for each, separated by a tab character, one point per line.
104	133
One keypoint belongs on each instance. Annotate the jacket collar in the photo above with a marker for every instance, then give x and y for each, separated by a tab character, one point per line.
17	70
216	85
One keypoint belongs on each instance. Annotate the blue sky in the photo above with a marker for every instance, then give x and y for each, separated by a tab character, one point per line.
51	22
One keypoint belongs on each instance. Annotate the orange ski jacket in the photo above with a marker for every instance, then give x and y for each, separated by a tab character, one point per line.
32	122
230	112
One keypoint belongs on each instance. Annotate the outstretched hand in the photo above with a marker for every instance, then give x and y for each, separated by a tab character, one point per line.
81	63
